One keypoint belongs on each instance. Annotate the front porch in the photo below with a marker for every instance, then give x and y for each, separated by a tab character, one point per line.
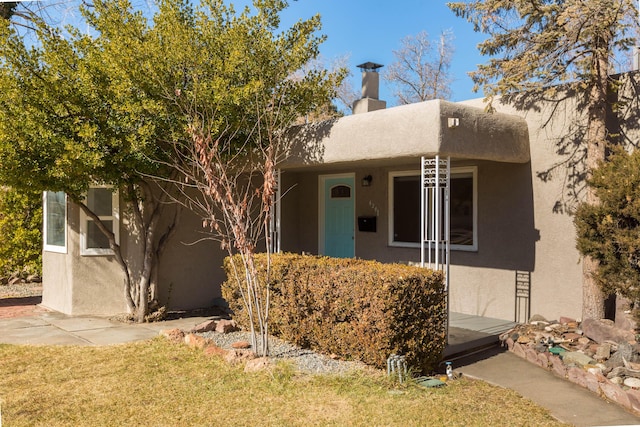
469	334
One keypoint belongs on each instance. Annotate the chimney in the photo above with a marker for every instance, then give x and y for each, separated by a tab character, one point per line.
370	90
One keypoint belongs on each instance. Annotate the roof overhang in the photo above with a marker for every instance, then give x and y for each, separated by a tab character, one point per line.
428	128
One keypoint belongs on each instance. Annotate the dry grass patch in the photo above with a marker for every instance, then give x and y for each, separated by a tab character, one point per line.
157	383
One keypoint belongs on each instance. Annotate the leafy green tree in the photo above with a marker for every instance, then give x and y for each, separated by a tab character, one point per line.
83	109
535	45
609	232
126	102
20	227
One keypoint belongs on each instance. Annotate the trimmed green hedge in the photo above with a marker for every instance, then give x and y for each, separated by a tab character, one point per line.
360	310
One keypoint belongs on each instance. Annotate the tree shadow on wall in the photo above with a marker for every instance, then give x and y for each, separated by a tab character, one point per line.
563	112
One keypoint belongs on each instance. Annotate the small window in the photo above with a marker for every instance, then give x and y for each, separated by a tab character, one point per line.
404	202
340	192
55	221
103	202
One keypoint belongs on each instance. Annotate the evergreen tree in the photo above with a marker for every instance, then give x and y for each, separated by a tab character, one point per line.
609	231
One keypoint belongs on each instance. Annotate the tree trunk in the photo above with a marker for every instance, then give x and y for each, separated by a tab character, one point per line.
592	296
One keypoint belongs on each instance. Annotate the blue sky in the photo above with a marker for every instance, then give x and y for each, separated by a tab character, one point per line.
371	30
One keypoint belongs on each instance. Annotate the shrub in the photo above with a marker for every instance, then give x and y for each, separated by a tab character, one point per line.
361	310
609	231
20	226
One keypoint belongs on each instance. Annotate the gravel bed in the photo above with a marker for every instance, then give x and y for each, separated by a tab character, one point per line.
21	290
304	360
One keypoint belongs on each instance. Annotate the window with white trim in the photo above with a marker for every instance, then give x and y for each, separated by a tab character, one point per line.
404	206
102	201
54	221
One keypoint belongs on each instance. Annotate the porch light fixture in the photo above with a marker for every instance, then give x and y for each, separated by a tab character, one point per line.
366	181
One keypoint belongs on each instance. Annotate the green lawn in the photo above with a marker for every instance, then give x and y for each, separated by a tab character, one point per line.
156	383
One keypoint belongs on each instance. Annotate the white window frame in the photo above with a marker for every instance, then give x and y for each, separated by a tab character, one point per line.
464	170
115	217
53	248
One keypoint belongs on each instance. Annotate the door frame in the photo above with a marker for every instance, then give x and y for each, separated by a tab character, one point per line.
322	204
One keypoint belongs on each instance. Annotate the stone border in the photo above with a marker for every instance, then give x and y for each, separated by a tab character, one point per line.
592	380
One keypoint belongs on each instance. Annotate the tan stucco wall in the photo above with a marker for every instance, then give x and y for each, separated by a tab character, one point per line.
190	273
190	268
78	285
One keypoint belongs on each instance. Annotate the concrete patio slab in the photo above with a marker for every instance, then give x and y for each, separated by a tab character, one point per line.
84	323
115	334
486	325
40	335
21	322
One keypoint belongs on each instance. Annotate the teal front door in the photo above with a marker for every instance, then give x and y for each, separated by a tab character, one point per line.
339	217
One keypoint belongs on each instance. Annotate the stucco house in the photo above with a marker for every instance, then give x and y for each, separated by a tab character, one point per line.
353	189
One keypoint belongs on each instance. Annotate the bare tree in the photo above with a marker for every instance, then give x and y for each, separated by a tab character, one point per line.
346	94
421	70
240	98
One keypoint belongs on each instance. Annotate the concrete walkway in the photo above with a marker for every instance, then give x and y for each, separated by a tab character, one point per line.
566	401
51	328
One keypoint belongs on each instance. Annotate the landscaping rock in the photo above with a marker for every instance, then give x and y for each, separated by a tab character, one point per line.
592	381
569	349
603	352
241	345
206	326
538	318
225	326
584	341
617	380
558	367
634	400
625	354
572	336
621	371
196	341
214	350
632	382
532	356
577	376
258	364
236	356
577	359
174	335
615	394
602	330
519	351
